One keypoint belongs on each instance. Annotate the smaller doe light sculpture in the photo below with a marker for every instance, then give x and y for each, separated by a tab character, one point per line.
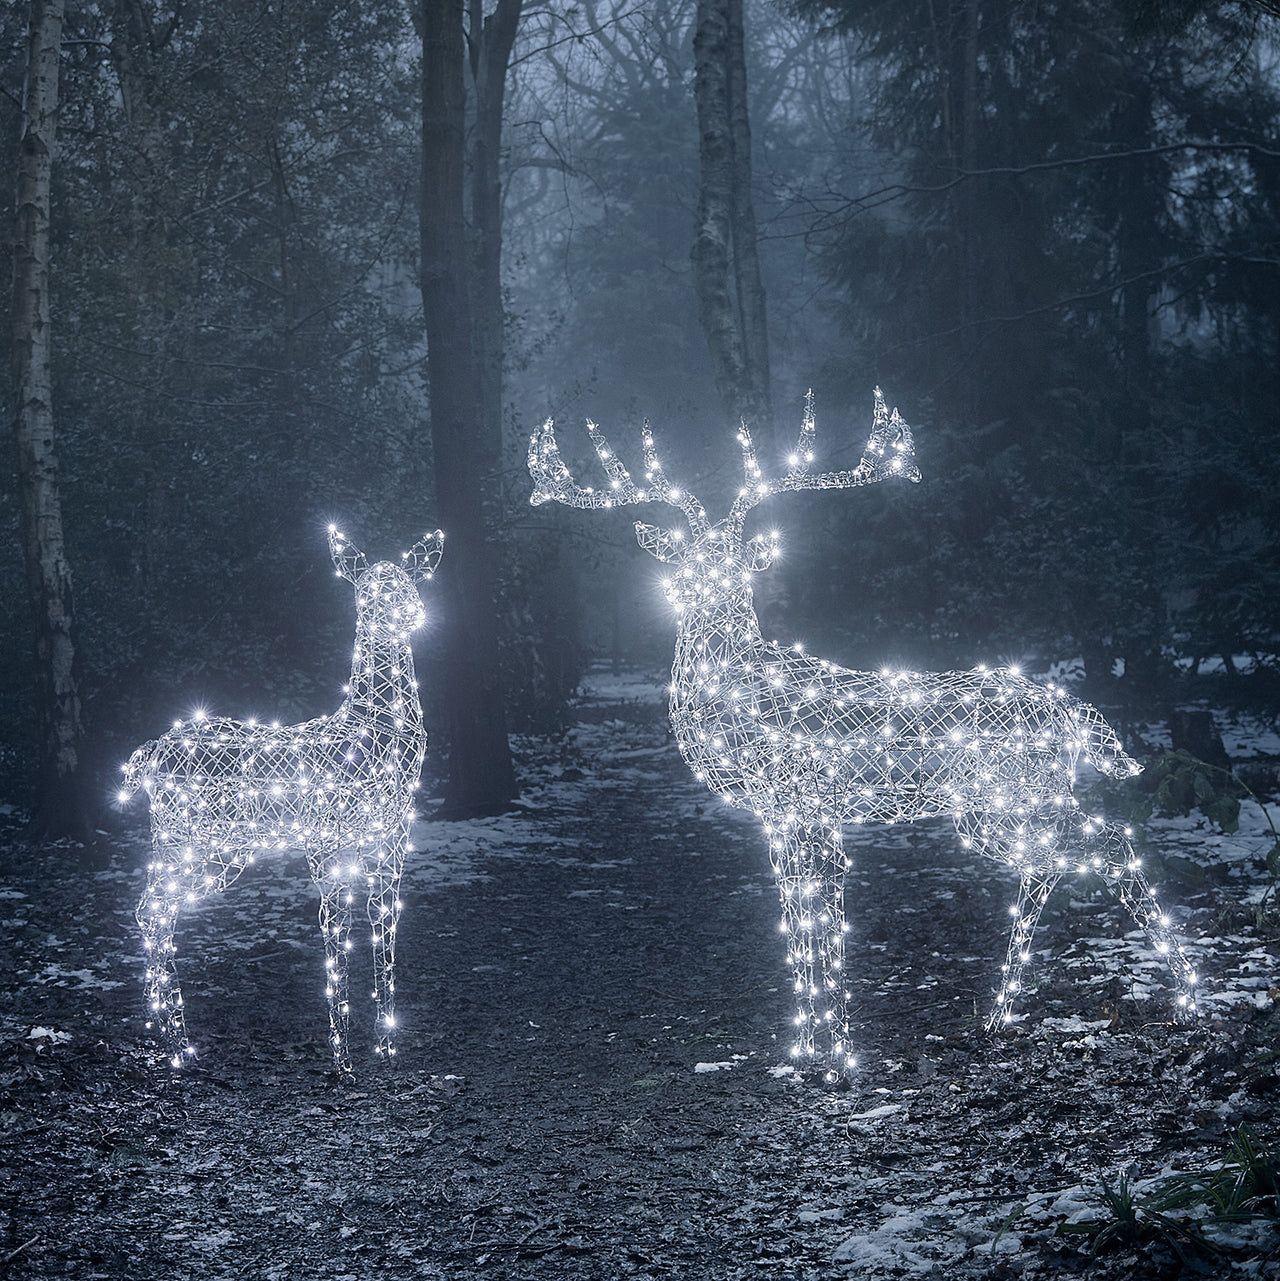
224	793
808	746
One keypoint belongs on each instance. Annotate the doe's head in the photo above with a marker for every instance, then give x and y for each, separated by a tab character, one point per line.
391	590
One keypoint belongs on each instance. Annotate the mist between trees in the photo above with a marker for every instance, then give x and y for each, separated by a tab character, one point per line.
1049	232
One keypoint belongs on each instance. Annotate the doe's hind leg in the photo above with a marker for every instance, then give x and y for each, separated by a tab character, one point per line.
384	917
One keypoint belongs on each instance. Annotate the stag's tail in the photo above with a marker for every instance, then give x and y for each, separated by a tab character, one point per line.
135	771
1100	745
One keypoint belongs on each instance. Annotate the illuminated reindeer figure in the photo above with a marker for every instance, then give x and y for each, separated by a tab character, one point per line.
339	787
808	746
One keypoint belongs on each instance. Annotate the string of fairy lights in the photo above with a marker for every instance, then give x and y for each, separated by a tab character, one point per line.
225	793
809	746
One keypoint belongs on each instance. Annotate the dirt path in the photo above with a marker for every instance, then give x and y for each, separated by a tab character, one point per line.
589	1081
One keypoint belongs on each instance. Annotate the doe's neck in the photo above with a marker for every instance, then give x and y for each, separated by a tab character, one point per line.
382	671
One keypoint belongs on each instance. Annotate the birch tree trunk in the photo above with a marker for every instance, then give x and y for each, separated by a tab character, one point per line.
59	803
726	270
481	777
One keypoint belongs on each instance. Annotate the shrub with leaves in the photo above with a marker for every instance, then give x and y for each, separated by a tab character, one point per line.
1182	1211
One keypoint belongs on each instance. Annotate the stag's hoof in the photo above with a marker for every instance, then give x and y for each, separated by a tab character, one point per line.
179	1056
834	1074
825	1077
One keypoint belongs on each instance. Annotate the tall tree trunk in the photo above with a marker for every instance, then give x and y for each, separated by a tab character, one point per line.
490	42
746	256
969	234
726	270
60	810
1138	209
481	777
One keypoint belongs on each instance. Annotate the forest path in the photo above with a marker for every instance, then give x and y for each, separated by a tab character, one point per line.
568	976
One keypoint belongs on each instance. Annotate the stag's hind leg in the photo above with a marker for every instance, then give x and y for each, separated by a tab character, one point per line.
1111	855
1034	888
384	917
810	865
1024	842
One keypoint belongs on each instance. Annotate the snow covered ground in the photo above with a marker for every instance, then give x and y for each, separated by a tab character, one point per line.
591	1080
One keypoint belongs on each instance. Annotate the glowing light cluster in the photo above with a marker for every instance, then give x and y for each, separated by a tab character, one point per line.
225	793
808	746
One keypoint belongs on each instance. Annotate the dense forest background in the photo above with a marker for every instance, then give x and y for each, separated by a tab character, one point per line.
1049	231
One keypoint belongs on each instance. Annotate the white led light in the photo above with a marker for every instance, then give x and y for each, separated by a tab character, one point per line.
808	746
339	787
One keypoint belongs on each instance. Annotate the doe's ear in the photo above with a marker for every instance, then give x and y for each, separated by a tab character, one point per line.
348	559
760	552
422	558
664	544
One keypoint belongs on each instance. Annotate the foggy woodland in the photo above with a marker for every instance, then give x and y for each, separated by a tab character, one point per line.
334	261
282	265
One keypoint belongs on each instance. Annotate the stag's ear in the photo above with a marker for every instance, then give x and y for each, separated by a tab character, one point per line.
665	545
422	558
348	559
760	552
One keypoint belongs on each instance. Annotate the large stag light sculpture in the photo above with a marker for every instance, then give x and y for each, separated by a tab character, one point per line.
340	788
808	746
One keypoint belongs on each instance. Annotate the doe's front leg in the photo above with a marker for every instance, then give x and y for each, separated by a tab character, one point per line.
384	919
1034	888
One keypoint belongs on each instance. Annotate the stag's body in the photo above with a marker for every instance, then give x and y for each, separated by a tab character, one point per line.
809	746
905	747
340	788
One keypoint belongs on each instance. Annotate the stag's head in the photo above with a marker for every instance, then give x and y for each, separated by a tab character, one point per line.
713	563
389	592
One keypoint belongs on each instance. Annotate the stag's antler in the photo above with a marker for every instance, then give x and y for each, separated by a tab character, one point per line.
889	452
554	483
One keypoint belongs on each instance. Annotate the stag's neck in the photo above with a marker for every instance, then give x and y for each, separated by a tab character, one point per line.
382	675
721	637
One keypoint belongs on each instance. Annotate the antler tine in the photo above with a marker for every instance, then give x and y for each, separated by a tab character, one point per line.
624	490
663	490
889	434
553	481
755	486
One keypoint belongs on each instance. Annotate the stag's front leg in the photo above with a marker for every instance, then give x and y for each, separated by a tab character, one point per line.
810	866
335	926
1111	856
1034	888
384	917
169	884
